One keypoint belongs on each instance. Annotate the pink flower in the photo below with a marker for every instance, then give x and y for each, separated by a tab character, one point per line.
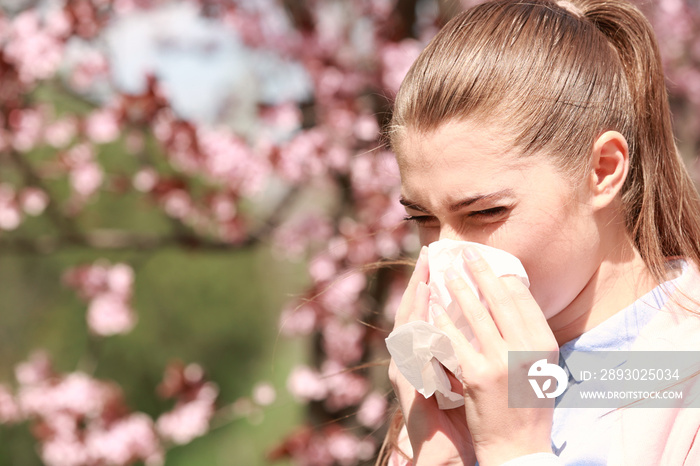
343	342
177	203
349	450
57	22
316	453
229	159
33	201
366	128
281	119
397	58
306	384
120	280
145	180
294	237
298	320
372	412
86	178
375	172
27	125
345	387
223	207
322	268
10	216
264	394
189	420
127	440
9	408
102	126
35	51
91	67
64	452
109	314
342	295
88	280
302	157
34	371
74	394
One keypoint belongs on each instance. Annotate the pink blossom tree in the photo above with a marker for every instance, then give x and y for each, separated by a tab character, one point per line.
230	187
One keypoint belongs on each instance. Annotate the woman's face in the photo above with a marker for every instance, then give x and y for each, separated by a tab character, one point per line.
463	182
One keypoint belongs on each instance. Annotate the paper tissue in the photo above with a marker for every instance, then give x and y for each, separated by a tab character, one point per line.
421	351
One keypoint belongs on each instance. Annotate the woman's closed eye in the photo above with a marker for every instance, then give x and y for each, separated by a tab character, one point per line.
492	212
421	220
486	214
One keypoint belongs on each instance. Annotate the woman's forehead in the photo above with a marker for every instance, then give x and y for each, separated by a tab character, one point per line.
458	146
459	161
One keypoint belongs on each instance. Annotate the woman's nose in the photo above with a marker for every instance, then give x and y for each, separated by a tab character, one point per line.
469	234
447	232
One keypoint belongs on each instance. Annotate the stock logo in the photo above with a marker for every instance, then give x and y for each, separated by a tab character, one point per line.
542	368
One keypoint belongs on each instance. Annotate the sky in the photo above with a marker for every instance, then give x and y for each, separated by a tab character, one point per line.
207	73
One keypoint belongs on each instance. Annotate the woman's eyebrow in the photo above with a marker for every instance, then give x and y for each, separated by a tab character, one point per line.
481	197
463	202
412	205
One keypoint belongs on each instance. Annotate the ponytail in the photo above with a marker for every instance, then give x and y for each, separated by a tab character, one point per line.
662	207
558	74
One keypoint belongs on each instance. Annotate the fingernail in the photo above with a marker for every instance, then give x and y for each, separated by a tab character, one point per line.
451	274
433	297
421	255
470	253
423	252
434	292
436	310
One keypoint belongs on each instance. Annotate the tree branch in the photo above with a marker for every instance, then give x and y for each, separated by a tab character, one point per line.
119	240
32	179
112	240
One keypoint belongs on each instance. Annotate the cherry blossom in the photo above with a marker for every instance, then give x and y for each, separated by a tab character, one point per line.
102	126
109	314
108	290
60	132
9	409
373	410
264	394
308	176
10	214
343	342
345	387
189	419
125	441
307	384
36	46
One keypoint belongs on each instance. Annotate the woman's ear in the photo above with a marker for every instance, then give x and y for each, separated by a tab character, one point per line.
609	167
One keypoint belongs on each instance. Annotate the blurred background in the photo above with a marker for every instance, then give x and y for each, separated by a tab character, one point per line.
194	196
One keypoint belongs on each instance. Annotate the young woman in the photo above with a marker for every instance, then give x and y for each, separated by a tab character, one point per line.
543	128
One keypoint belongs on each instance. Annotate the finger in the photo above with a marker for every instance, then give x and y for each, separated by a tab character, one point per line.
420	303
402	388
478	317
409	398
499	299
531	313
420	274
466	353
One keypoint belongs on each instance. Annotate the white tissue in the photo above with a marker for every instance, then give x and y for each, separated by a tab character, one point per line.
421	351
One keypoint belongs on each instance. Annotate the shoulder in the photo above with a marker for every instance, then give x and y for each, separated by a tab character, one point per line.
668	434
677	324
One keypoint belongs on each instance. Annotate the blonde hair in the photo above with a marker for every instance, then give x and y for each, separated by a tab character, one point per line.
556	75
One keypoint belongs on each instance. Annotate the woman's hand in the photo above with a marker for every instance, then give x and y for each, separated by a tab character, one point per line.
438	437
514	323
